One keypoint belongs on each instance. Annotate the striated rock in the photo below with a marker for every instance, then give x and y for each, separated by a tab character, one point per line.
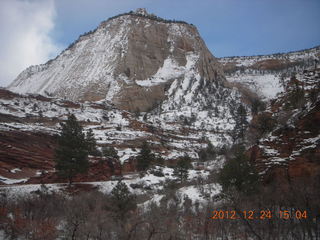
139	62
18	147
26	151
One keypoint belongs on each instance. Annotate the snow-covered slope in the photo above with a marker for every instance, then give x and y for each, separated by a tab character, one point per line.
23	159
88	62
264	74
28	124
139	77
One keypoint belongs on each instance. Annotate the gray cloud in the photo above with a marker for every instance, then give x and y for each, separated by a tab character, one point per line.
25	27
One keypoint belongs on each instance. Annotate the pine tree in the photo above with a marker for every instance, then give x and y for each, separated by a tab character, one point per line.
122	201
239	174
145	157
241	124
91	143
71	155
207	153
210	150
181	170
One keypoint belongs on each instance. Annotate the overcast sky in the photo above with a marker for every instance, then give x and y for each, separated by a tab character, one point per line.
33	31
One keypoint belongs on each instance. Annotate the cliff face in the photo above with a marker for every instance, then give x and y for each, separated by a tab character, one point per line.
130	60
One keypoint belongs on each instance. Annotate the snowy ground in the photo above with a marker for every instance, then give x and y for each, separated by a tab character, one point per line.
149	184
267	85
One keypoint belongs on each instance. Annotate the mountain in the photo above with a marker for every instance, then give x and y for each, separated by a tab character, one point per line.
142	63
139	78
130	60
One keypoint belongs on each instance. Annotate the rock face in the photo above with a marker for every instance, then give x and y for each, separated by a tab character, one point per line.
130	60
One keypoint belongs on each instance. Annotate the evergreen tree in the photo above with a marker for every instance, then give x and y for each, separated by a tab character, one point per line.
210	150
145	157
112	154
239	174
122	201
91	143
241	124
207	153
257	106
181	170
71	155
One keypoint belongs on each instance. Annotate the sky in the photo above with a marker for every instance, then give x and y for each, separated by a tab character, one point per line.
34	31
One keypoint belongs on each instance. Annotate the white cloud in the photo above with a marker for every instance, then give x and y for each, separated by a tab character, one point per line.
25	27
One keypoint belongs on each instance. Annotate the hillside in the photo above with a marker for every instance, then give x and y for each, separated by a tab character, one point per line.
264	74
289	150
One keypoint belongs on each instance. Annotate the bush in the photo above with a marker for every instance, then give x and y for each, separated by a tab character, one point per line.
157	172
257	106
110	152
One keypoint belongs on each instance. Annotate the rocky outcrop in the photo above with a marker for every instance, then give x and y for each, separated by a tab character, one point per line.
18	147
